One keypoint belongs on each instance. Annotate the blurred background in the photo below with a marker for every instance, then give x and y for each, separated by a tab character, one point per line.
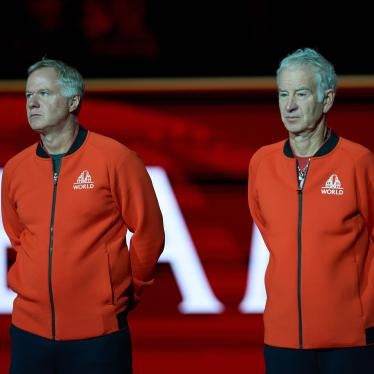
189	86
166	38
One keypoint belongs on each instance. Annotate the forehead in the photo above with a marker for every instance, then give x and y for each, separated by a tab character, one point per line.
296	77
42	78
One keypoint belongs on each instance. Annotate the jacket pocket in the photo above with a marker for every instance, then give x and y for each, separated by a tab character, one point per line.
358	288
119	273
108	282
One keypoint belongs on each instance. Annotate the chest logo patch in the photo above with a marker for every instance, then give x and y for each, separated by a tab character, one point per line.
333	186
84	181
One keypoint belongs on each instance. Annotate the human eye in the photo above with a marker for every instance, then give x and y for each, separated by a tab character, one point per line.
28	95
43	92
282	94
302	93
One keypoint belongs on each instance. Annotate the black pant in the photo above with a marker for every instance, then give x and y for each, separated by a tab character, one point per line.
108	354
354	360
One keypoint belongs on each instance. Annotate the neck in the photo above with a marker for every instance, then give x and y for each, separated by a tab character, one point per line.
59	141
306	145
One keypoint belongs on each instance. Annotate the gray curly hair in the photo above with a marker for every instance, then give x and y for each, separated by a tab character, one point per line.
323	70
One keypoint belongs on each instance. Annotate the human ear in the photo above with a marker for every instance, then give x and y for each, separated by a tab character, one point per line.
328	100
74	103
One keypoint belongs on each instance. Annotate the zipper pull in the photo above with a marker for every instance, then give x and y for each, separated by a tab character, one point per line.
55	178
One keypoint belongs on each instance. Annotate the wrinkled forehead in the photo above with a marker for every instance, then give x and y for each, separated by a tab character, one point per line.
296	75
42	78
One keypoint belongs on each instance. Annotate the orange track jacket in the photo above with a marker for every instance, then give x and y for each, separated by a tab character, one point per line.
320	276
74	275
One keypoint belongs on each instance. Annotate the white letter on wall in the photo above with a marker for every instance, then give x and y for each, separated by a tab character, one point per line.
6	295
180	252
255	296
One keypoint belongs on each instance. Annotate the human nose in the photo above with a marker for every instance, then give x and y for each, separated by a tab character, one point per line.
291	104
32	101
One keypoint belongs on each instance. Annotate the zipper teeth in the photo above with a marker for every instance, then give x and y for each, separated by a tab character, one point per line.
55	179
299	252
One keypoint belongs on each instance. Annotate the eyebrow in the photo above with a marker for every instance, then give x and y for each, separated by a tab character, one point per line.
298	89
38	90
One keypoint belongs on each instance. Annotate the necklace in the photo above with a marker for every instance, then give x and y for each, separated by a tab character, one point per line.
301	173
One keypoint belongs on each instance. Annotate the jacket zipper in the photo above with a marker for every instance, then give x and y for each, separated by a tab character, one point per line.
300	189
299	251
51	227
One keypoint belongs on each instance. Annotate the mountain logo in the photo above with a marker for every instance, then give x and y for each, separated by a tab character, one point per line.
333	186
84	181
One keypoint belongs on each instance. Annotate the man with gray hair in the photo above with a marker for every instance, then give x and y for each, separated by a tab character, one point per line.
312	198
67	203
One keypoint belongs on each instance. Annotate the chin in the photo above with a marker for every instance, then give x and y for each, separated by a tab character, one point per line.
294	127
37	127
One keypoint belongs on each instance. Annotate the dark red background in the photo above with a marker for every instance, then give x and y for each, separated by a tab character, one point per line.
203	140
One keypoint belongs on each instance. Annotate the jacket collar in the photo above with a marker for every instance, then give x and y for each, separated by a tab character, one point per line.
331	143
79	140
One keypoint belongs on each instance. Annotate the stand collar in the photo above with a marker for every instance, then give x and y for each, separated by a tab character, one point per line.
326	148
79	140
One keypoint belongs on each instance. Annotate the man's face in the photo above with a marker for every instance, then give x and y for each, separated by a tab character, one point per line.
46	107
298	103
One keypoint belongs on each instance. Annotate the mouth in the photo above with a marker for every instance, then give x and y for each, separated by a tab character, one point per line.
291	118
34	115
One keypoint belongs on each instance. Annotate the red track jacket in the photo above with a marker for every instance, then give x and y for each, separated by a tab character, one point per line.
320	276
74	275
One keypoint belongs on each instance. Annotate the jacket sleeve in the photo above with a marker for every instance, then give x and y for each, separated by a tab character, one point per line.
140	210
11	223
365	185
253	202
